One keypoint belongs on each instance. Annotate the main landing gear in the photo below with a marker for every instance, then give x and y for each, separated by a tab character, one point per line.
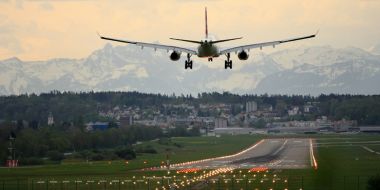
188	62
210	59
228	62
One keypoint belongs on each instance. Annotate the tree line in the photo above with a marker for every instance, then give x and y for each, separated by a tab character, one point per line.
76	108
25	116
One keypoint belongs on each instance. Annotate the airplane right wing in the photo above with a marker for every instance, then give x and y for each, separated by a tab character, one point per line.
151	45
261	45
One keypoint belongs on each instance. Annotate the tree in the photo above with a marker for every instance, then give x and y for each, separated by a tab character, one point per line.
126	153
259	124
178	131
55	155
374	183
194	131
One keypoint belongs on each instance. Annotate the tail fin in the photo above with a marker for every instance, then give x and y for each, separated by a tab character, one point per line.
206	22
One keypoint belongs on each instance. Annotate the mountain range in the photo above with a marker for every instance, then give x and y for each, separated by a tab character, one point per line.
304	70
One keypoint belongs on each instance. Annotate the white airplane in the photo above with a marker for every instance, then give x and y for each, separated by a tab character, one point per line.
207	47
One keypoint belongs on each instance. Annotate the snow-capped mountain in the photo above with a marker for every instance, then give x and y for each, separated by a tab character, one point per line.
306	70
375	49
318	56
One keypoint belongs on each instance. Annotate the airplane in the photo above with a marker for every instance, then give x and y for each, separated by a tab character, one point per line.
207	47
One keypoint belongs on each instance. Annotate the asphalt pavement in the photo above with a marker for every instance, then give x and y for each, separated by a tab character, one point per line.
269	153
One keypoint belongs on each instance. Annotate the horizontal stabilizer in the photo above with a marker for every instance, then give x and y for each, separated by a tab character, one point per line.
191	41
218	41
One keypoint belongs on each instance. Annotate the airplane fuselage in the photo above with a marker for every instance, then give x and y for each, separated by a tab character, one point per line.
207	49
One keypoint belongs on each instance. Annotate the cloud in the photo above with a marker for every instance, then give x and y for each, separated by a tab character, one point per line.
9	41
19	4
46	6
66	23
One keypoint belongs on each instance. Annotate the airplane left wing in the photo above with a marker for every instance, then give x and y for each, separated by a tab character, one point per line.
151	45
261	45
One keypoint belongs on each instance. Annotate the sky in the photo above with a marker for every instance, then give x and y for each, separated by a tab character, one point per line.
45	29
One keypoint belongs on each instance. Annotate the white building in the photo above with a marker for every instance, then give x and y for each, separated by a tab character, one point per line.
50	119
293	111
250	107
220	123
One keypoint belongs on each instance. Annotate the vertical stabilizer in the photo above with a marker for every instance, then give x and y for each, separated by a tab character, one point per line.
206	23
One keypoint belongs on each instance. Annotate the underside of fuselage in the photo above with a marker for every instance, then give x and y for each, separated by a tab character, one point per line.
207	51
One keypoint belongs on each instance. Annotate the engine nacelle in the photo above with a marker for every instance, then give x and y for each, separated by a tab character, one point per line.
174	56
243	55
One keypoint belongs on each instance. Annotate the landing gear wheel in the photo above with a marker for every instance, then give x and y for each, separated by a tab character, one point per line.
188	62
210	59
228	64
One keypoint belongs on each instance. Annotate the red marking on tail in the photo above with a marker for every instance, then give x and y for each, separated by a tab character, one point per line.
206	22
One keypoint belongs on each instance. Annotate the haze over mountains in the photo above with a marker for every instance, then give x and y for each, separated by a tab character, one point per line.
305	70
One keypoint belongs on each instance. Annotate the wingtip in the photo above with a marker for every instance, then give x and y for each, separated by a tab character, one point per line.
317	32
100	36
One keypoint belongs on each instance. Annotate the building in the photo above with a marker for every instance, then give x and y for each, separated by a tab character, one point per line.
11	161
295	130
220	122
50	119
370	129
294	111
307	108
250	106
97	126
126	120
233	131
295	124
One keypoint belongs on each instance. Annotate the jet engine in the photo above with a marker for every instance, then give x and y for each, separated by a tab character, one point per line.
243	55
174	56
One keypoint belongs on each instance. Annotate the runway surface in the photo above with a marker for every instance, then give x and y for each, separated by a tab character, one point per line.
269	153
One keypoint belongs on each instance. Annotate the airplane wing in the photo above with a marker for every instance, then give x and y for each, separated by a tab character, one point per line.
151	45
261	45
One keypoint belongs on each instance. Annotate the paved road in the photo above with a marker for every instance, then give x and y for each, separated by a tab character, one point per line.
270	153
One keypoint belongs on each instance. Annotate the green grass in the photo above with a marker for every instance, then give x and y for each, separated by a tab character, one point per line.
341	164
374	147
342	167
339	167
193	148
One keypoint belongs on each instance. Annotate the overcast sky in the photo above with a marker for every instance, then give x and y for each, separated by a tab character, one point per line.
41	29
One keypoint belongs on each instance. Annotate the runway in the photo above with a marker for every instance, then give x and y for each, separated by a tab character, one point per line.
269	153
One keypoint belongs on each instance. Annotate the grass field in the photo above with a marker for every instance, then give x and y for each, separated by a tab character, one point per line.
192	149
342	164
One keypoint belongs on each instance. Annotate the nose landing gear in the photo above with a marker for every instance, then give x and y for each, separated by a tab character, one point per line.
228	62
